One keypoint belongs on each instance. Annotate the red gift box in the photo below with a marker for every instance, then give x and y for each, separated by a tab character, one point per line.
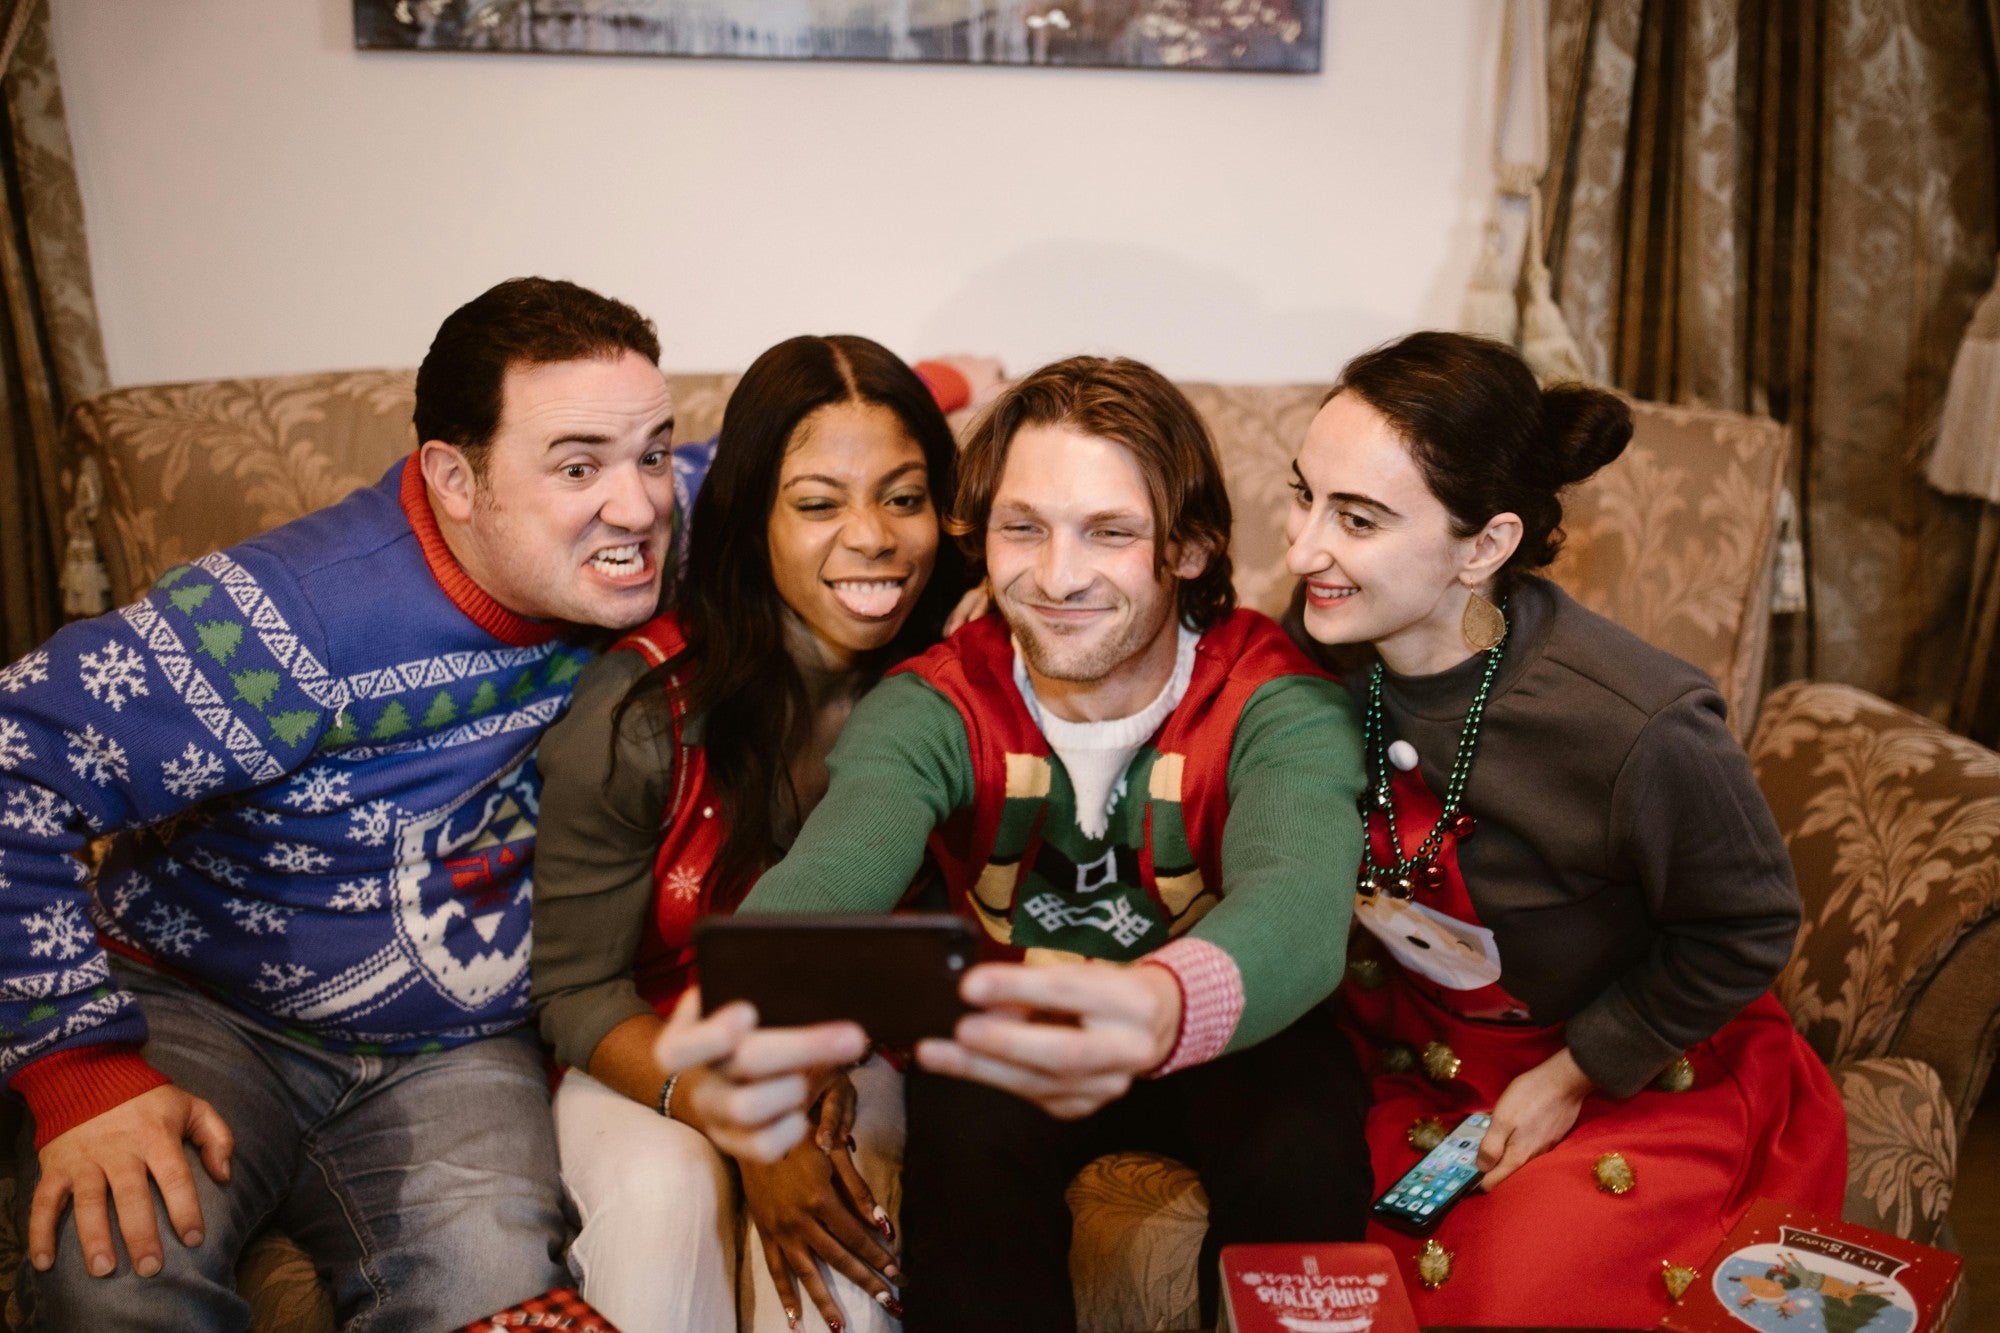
1790	1269
1313	1289
559	1309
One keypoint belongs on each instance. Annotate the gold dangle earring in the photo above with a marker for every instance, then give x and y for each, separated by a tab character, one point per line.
1483	625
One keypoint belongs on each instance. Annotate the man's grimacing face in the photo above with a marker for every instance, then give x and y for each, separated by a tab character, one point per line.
572	518
1070	555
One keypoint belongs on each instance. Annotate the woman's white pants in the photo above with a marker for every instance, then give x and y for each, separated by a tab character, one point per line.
664	1245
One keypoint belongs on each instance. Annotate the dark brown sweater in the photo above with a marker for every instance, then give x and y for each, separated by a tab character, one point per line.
1637	887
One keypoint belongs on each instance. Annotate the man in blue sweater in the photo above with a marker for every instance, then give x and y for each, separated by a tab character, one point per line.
297	992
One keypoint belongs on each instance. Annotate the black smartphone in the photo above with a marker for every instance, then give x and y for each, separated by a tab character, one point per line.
897	976
1444	1175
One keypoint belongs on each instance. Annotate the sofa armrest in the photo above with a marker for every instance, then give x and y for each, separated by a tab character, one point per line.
190	468
1902	1147
1953	1023
1892	824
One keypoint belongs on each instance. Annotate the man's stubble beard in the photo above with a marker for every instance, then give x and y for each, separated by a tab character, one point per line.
1082	665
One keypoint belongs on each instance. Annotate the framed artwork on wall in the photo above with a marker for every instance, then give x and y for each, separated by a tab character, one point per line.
1269	35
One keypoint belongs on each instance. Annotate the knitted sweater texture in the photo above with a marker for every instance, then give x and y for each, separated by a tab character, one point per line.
315	750
1277	931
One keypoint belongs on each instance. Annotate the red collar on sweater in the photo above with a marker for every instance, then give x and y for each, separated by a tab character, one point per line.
478	604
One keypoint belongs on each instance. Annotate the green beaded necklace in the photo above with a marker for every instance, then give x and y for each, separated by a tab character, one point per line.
1400	879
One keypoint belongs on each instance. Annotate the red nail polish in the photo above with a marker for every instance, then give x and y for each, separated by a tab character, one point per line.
894	1307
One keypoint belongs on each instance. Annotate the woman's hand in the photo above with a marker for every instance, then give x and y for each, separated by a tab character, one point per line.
833	1131
807	1212
746	1089
976	603
1533	1114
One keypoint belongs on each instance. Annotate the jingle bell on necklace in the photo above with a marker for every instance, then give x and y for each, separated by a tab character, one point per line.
1405	875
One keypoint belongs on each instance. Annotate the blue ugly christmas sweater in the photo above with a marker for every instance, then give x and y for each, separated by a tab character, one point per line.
316	749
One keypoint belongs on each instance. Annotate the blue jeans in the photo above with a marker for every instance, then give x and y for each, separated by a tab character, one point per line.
425	1187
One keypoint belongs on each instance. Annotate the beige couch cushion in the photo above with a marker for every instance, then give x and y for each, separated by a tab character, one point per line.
1673	540
189	468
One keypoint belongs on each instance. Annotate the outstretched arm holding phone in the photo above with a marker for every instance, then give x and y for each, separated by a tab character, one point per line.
903	767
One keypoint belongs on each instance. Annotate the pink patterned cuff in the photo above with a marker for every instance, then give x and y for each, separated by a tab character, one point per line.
1211	1001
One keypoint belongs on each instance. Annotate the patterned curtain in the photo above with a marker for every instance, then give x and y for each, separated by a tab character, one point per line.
1788	206
51	354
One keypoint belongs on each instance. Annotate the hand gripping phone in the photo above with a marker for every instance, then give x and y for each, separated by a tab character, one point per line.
1447	1173
897	976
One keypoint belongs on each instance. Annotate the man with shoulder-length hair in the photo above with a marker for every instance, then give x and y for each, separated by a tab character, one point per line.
299	991
1117	767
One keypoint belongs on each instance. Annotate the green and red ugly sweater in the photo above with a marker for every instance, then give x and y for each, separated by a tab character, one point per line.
1225	855
316	751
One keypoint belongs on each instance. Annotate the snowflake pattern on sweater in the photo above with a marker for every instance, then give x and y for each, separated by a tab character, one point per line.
319	771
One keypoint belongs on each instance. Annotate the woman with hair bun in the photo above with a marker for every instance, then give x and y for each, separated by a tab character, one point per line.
1574	897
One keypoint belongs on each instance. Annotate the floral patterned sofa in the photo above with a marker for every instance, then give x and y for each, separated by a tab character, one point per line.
1891	820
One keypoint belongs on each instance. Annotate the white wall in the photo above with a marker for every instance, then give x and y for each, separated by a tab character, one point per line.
262	198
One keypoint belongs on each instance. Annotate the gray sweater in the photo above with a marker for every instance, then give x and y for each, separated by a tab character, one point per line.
1637	887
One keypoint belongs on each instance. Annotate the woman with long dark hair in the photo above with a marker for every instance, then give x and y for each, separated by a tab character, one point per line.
1573	898
689	757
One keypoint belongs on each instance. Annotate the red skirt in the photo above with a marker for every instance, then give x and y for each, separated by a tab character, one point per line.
1548	1247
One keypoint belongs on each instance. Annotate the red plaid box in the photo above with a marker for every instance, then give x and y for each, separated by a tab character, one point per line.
558	1309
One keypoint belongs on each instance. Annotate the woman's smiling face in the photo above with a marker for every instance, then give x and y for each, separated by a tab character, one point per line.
853	532
1381	561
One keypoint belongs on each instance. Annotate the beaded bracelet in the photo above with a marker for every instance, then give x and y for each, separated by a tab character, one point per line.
665	1105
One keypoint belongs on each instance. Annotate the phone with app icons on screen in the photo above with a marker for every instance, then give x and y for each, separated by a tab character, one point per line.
1416	1203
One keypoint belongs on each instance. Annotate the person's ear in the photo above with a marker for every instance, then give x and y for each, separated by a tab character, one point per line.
1188	560
449	476
1490	548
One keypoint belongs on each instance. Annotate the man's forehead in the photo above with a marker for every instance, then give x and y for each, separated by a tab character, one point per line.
598	395
1050	467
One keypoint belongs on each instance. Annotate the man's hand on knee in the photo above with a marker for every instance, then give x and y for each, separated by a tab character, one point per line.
110	1161
1069	1037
